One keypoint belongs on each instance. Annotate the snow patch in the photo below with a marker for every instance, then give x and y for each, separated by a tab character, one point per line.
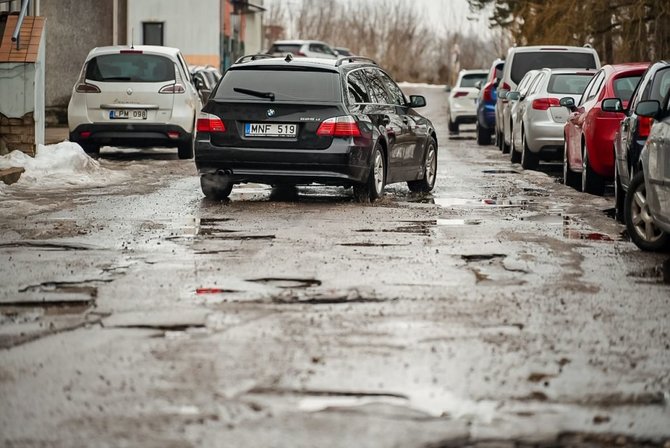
56	166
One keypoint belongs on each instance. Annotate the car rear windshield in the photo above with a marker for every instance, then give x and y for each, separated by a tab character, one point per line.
283	49
523	62
625	86
285	85
569	84
471	80
130	67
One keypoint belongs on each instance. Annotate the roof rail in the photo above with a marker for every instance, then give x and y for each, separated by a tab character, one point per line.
341	61
253	57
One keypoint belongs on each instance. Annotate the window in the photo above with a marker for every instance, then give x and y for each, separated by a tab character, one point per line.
471	80
378	92
593	87
523	62
625	86
535	85
569	84
357	89
131	67
397	97
661	84
152	33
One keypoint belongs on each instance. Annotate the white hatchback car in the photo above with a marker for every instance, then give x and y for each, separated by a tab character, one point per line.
138	96
462	101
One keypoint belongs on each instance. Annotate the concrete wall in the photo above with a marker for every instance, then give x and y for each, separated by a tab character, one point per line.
75	27
193	27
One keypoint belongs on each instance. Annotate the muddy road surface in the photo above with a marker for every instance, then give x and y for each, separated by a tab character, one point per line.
504	309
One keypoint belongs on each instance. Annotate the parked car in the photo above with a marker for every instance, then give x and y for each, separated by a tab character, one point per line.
204	80
486	104
341	51
305	48
588	160
287	122
647	205
510	110
520	60
138	96
538	119
462	100
633	129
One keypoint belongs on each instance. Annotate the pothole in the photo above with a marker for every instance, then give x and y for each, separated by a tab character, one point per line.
288	283
367	244
482	257
46	245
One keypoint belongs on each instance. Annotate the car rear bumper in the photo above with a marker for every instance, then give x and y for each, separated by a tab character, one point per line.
130	134
545	136
341	164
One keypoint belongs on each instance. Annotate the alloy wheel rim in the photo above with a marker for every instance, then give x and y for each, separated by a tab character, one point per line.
379	172
431	166
643	223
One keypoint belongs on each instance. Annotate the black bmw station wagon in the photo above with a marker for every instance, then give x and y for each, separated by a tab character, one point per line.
287	122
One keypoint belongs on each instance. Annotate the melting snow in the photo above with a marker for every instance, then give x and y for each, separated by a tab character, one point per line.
56	166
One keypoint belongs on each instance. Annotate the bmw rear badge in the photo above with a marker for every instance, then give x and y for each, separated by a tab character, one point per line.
271	112
129	91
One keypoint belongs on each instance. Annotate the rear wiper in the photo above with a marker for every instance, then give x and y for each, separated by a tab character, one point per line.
269	95
117	78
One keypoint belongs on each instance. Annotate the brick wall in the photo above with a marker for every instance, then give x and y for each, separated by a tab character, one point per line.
18	133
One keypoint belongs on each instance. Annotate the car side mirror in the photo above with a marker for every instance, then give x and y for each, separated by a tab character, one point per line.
648	108
514	96
568	102
502	94
447	88
417	101
612	105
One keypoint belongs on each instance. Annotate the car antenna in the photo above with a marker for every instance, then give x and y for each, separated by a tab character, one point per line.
132	38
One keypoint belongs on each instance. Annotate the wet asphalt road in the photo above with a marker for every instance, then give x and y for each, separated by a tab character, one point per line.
504	308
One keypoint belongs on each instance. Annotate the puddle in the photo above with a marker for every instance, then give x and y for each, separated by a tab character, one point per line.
458	222
29	311
372	244
206	291
574	229
486	202
46	245
84	289
482	257
501	171
288	283
544	219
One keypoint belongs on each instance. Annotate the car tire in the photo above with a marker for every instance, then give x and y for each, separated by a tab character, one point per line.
592	182
185	150
483	136
373	188
429	171
619	195
453	127
639	223
570	178
529	160
215	186
90	148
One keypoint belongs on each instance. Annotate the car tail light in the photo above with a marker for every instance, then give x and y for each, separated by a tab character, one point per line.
173	134
460	93
87	88
487	95
210	123
85	134
344	126
545	103
644	126
172	88
133	51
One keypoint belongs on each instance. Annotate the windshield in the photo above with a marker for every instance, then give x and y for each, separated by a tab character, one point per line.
523	62
284	85
471	80
131	67
569	84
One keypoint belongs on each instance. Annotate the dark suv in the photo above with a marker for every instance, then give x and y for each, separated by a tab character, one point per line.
287	122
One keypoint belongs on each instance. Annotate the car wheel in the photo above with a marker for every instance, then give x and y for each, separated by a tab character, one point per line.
639	223
429	171
215	186
374	187
483	136
529	160
90	148
570	178
453	127
185	150
592	182
499	140
619	195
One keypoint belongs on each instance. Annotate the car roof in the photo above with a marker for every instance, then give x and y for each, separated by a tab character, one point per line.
315	63
149	49
532	48
569	71
298	42
626	66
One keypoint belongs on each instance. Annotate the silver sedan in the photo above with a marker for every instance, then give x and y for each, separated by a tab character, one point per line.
538	119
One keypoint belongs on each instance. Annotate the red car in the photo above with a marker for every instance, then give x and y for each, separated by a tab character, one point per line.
589	132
